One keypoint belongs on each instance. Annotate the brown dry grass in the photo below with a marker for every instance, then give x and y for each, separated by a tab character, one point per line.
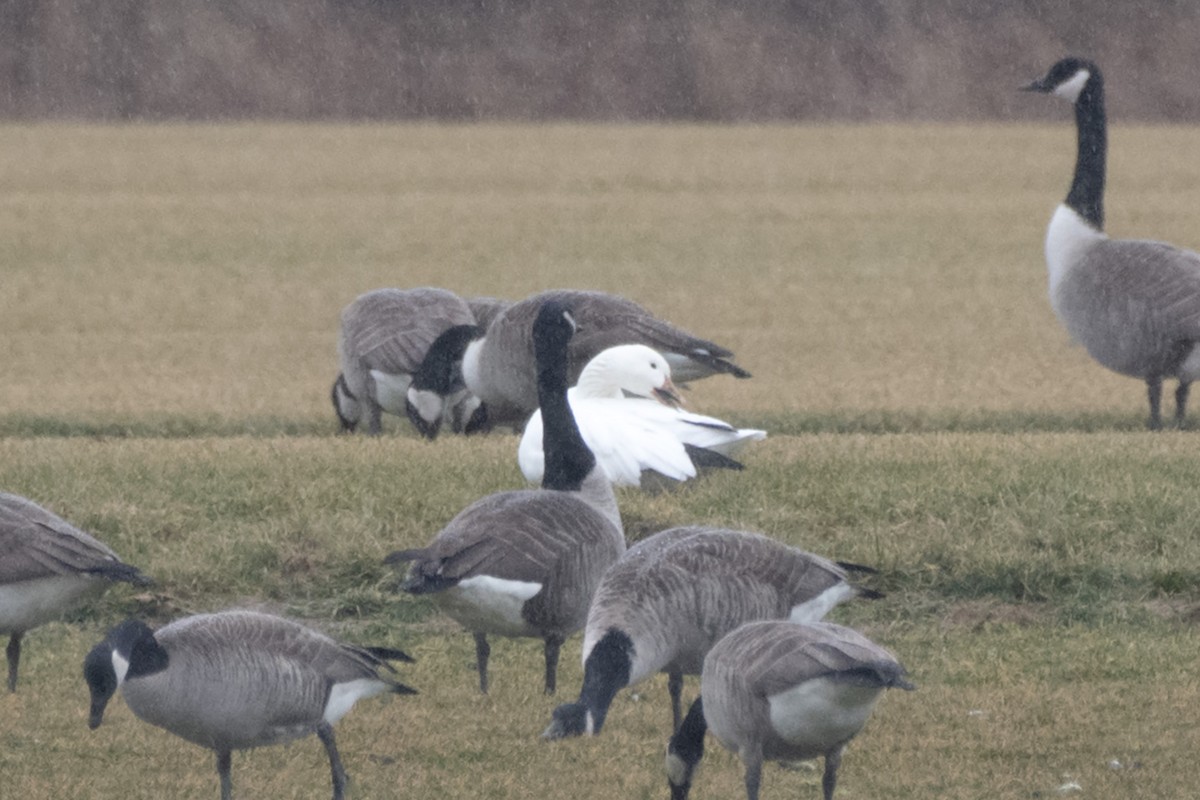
169	286
199	271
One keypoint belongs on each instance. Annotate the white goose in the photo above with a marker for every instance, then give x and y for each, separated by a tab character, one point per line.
627	410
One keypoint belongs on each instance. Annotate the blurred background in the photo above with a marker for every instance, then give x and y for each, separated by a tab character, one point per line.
611	60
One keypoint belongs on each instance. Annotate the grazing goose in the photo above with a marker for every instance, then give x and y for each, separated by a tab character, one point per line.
627	410
499	368
236	680
1134	304
525	563
437	389
783	691
48	566
384	337
674	594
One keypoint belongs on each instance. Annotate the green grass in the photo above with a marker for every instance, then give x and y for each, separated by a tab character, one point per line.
170	305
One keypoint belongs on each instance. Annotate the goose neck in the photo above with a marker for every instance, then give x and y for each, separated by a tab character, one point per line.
606	670
568	459
1087	188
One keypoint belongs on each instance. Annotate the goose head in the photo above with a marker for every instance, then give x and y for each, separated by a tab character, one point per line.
129	650
630	369
684	751
345	404
438	378
1067	79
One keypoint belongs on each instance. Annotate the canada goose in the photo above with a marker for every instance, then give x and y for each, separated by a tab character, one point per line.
384	336
1134	304
674	594
783	691
525	563
48	566
238	679
499	368
627	410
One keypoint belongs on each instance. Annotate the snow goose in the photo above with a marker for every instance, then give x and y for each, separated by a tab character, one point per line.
525	563
384	337
783	691
627	410
674	594
499	368
236	680
47	567
1133	304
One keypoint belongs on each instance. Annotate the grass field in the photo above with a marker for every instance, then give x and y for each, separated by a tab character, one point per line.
169	312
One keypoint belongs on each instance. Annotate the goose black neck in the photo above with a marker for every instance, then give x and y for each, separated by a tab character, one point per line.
568	459
436	372
606	670
1087	189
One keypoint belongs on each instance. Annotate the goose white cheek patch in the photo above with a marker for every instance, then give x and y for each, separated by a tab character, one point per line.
1070	89
120	667
427	403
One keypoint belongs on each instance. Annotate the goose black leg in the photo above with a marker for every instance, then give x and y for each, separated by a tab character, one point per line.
482	651
833	760
754	765
1181	396
224	762
675	688
13	652
1154	392
374	417
553	644
336	770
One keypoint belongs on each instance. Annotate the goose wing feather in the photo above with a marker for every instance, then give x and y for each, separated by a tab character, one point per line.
390	330
693	584
775	657
34	543
519	536
1164	278
242	679
604	320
